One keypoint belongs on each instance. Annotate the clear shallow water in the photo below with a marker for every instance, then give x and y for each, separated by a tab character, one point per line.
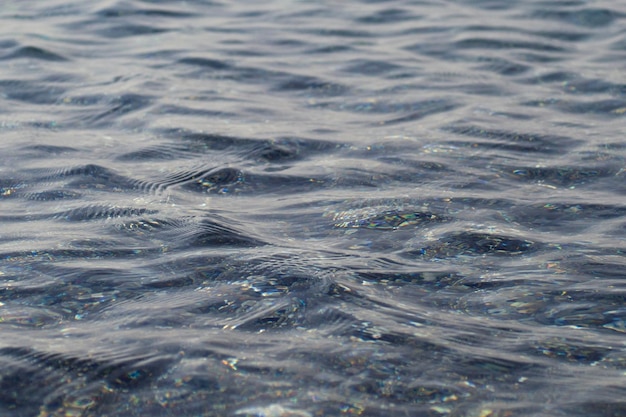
312	208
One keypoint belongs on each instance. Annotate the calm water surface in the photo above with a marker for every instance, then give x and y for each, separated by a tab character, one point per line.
289	208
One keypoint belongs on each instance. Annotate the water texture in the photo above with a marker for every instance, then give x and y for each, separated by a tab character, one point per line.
289	208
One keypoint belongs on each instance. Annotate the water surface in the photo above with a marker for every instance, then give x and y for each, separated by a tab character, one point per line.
312	208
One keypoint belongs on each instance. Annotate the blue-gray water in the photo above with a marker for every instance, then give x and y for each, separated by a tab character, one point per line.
290	208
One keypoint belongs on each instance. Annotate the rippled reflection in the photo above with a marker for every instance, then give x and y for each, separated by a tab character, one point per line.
312	208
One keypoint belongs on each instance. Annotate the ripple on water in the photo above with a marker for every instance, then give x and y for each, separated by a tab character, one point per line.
312	208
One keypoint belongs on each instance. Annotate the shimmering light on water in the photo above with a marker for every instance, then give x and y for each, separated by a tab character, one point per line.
312	208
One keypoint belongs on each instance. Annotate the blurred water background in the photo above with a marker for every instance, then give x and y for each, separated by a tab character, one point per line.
312	208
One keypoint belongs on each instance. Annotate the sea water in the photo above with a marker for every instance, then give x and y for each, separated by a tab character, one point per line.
289	208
